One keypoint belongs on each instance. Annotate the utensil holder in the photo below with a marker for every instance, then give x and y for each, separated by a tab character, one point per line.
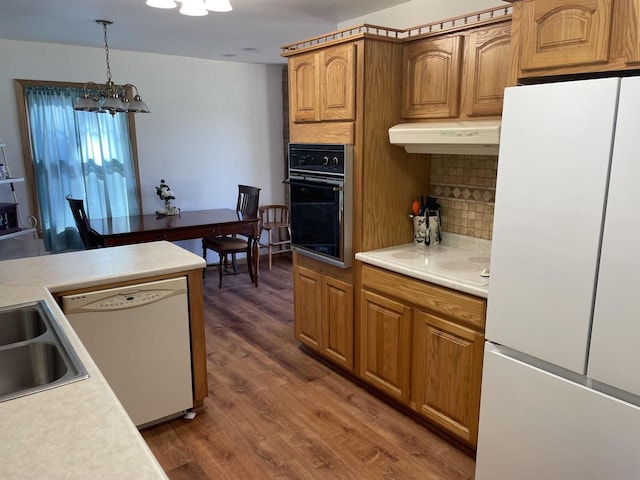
420	229
433	231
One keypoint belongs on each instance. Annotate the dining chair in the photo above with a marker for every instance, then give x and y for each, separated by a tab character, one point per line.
89	240
247	206
275	219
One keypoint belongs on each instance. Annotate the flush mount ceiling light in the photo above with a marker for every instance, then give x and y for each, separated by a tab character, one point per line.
194	8
109	97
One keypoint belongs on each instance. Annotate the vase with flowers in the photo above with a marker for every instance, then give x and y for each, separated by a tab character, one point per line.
164	192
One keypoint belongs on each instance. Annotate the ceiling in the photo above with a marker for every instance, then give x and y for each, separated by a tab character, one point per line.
253	32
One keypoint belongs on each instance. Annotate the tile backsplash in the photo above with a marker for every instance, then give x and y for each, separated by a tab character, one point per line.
465	186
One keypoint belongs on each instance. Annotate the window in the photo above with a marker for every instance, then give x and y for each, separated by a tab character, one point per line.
86	155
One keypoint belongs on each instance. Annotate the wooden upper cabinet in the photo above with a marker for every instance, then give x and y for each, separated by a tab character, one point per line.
304	88
322	84
563	32
626	32
563	37
431	78
337	83
457	77
486	71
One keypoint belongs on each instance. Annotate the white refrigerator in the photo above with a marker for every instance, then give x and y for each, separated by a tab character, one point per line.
561	377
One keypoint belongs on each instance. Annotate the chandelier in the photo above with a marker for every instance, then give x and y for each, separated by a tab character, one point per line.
194	8
109	97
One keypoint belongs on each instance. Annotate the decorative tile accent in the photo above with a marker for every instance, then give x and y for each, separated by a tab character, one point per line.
465	186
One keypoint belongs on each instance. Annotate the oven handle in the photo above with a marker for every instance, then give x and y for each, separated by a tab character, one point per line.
302	183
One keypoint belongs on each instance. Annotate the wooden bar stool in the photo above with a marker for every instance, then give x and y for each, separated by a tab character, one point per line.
275	219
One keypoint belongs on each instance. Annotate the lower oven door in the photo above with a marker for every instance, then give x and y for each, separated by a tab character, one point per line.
317	226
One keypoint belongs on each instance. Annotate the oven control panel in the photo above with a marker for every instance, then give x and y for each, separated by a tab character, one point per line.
319	159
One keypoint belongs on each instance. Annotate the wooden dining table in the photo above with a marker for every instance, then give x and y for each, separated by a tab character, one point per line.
185	226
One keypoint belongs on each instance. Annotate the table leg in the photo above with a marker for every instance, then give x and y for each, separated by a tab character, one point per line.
256	257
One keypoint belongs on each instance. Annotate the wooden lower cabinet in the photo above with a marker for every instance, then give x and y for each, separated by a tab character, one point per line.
337	324
446	368
423	345
323	313
307	307
385	344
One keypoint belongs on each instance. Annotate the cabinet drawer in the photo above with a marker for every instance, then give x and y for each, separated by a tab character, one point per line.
449	303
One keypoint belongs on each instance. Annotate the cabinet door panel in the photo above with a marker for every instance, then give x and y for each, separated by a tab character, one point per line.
626	29
308	302
487	57
385	344
431	78
337	327
337	83
304	88
447	370
559	33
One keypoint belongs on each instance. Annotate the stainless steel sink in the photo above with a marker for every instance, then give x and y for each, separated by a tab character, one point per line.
18	324
35	353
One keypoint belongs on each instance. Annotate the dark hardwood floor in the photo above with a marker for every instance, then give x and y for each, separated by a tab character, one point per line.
275	412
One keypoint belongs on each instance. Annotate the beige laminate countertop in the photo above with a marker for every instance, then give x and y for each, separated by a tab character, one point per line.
88	268
456	263
78	430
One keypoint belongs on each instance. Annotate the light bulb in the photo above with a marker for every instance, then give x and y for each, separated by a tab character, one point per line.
193	8
162	3
218	5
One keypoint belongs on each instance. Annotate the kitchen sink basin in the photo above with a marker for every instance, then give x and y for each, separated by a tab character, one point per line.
18	324
28	366
35	353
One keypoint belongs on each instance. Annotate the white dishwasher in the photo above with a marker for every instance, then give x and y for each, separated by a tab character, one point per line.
138	336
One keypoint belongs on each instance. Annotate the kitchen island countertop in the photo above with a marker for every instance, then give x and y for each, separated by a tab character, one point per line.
78	430
90	268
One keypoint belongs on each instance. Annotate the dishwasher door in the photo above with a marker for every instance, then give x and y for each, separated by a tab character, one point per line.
138	336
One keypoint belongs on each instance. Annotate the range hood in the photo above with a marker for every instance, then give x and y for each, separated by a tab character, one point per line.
472	137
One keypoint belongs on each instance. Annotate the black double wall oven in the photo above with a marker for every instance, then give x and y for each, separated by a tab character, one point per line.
321	182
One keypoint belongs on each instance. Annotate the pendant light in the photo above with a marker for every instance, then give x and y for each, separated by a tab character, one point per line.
194	8
109	97
218	5
161	3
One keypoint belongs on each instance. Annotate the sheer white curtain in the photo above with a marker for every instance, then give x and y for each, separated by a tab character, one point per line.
84	154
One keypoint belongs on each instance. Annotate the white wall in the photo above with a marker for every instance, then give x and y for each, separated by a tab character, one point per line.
418	12
212	125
